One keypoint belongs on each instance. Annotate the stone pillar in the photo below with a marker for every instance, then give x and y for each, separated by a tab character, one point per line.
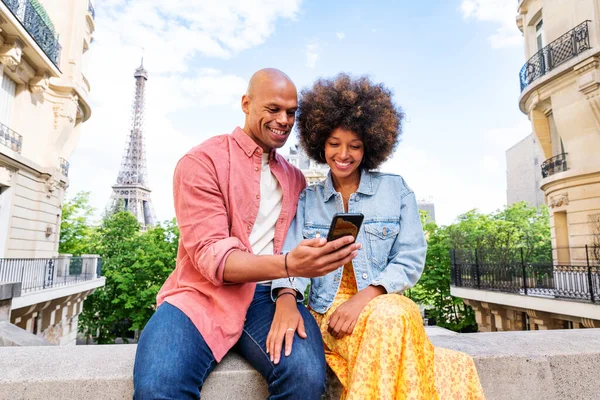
7	292
62	265
89	263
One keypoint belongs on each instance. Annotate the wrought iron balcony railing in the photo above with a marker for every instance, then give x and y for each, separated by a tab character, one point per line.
570	282
36	274
35	24
567	46
554	164
91	9
64	166
10	138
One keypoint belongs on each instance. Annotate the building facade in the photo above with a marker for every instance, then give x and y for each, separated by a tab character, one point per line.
43	103
560	93
523	172
44	100
561	96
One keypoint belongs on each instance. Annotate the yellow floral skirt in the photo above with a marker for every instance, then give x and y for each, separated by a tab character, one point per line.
389	356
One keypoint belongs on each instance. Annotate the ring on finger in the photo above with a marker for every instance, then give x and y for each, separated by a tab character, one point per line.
290	329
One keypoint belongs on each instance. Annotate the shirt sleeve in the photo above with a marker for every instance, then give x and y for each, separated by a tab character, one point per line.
407	258
202	217
293	238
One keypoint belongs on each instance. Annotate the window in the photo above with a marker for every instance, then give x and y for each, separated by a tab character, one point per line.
7	95
539	34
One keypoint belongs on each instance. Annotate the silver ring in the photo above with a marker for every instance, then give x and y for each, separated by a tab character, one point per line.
290	329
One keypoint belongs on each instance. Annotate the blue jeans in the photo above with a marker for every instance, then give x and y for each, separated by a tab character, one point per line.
173	360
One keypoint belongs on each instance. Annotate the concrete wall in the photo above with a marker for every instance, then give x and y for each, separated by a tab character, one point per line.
523	172
544	365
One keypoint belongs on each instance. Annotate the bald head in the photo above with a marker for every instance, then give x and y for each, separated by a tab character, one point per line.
270	105
267	76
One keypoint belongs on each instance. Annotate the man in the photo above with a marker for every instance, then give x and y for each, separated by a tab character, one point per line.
235	198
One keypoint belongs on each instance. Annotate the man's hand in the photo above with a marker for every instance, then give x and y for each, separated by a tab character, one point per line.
286	321
344	318
317	257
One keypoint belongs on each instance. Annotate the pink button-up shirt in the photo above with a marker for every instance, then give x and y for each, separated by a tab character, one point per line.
217	194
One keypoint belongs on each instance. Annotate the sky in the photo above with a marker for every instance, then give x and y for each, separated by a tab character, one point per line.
452	66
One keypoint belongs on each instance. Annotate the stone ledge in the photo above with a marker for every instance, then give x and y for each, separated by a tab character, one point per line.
545	365
12	335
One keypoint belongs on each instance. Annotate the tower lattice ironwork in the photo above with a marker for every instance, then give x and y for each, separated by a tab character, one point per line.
131	192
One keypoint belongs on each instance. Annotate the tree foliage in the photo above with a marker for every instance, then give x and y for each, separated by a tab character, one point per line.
135	265
76	232
499	236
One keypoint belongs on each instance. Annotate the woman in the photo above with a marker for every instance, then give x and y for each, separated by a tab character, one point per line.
374	337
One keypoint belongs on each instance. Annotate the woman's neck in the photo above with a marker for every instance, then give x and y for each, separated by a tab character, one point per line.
348	184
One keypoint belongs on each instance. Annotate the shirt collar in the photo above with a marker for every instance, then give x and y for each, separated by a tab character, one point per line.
248	145
365	186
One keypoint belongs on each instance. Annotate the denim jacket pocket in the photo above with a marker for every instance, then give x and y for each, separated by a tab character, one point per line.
380	239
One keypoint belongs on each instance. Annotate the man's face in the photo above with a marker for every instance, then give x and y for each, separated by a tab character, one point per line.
270	112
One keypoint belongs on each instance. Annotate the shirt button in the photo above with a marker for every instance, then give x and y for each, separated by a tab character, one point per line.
258	196
384	231
249	227
257	151
256	169
365	276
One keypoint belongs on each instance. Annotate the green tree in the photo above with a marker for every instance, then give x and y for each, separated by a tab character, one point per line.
135	265
499	237
76	232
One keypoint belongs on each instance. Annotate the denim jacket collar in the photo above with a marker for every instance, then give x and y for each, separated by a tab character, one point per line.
366	185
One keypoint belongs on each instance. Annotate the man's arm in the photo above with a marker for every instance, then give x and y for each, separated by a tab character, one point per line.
204	226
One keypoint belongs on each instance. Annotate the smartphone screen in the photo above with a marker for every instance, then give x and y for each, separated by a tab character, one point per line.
344	224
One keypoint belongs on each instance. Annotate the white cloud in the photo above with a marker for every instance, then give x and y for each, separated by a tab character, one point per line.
502	12
340	35
172	34
312	54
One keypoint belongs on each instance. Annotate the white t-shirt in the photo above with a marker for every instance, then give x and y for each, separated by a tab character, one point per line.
263	234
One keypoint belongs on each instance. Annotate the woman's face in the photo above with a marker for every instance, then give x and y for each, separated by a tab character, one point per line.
344	151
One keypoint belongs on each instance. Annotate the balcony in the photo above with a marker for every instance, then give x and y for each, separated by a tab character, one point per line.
64	166
566	47
513	274
10	138
38	274
554	165
37	23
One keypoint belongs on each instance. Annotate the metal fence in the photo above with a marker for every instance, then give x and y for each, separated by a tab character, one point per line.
577	280
34	23
36	274
564	48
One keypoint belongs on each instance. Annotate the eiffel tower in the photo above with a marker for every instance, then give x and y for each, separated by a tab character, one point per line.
131	192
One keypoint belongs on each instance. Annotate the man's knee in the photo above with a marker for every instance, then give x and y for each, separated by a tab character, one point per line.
306	365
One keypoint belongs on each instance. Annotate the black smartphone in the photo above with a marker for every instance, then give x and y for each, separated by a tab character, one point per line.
344	224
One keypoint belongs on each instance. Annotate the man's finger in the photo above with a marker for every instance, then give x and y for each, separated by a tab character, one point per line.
301	331
278	342
289	339
314	242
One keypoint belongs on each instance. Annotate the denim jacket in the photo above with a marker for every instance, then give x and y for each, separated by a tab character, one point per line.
393	245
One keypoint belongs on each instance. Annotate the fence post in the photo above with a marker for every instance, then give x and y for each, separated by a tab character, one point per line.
590	282
524	272
477	276
454	272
